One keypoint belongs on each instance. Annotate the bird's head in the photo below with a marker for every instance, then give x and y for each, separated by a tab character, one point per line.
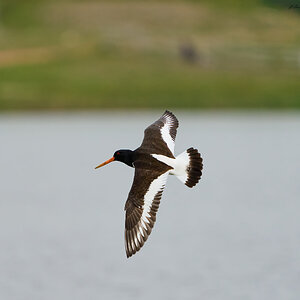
125	156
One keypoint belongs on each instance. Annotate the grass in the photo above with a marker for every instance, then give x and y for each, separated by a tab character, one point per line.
75	55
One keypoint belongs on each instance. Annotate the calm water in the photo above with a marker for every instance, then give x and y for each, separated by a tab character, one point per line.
234	236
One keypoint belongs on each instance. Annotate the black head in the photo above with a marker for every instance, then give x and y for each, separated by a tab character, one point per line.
125	156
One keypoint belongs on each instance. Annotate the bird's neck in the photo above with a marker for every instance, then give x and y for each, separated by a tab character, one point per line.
129	158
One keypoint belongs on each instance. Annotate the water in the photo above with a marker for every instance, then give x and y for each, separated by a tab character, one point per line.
234	236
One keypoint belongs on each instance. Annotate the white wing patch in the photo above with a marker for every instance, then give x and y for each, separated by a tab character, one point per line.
157	185
165	132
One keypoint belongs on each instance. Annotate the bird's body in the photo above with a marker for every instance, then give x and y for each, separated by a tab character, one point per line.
153	161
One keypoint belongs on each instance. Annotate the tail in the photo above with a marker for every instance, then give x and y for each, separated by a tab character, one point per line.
189	167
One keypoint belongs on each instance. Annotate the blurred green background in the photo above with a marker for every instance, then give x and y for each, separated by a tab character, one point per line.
149	54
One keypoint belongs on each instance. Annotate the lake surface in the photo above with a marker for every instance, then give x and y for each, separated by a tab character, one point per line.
236	235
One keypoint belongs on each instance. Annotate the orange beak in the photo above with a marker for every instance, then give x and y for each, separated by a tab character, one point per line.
105	163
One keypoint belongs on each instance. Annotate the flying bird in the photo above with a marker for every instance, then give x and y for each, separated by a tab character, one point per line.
153	161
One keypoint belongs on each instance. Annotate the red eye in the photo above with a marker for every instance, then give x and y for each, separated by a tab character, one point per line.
118	153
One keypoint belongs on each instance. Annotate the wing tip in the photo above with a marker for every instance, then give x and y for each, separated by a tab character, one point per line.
168	113
132	243
173	124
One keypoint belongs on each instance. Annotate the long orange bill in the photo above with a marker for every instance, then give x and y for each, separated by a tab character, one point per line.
105	163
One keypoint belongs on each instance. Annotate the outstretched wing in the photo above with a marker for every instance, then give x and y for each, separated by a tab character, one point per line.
141	207
159	137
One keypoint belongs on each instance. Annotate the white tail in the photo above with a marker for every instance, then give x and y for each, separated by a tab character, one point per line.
188	167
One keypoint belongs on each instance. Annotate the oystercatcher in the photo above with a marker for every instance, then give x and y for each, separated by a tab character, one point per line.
153	161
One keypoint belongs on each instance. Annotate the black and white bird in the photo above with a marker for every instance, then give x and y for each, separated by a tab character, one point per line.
153	161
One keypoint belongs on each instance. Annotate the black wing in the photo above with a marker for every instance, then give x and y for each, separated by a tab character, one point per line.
141	207
159	137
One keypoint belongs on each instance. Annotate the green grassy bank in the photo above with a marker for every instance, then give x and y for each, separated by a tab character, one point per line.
121	54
